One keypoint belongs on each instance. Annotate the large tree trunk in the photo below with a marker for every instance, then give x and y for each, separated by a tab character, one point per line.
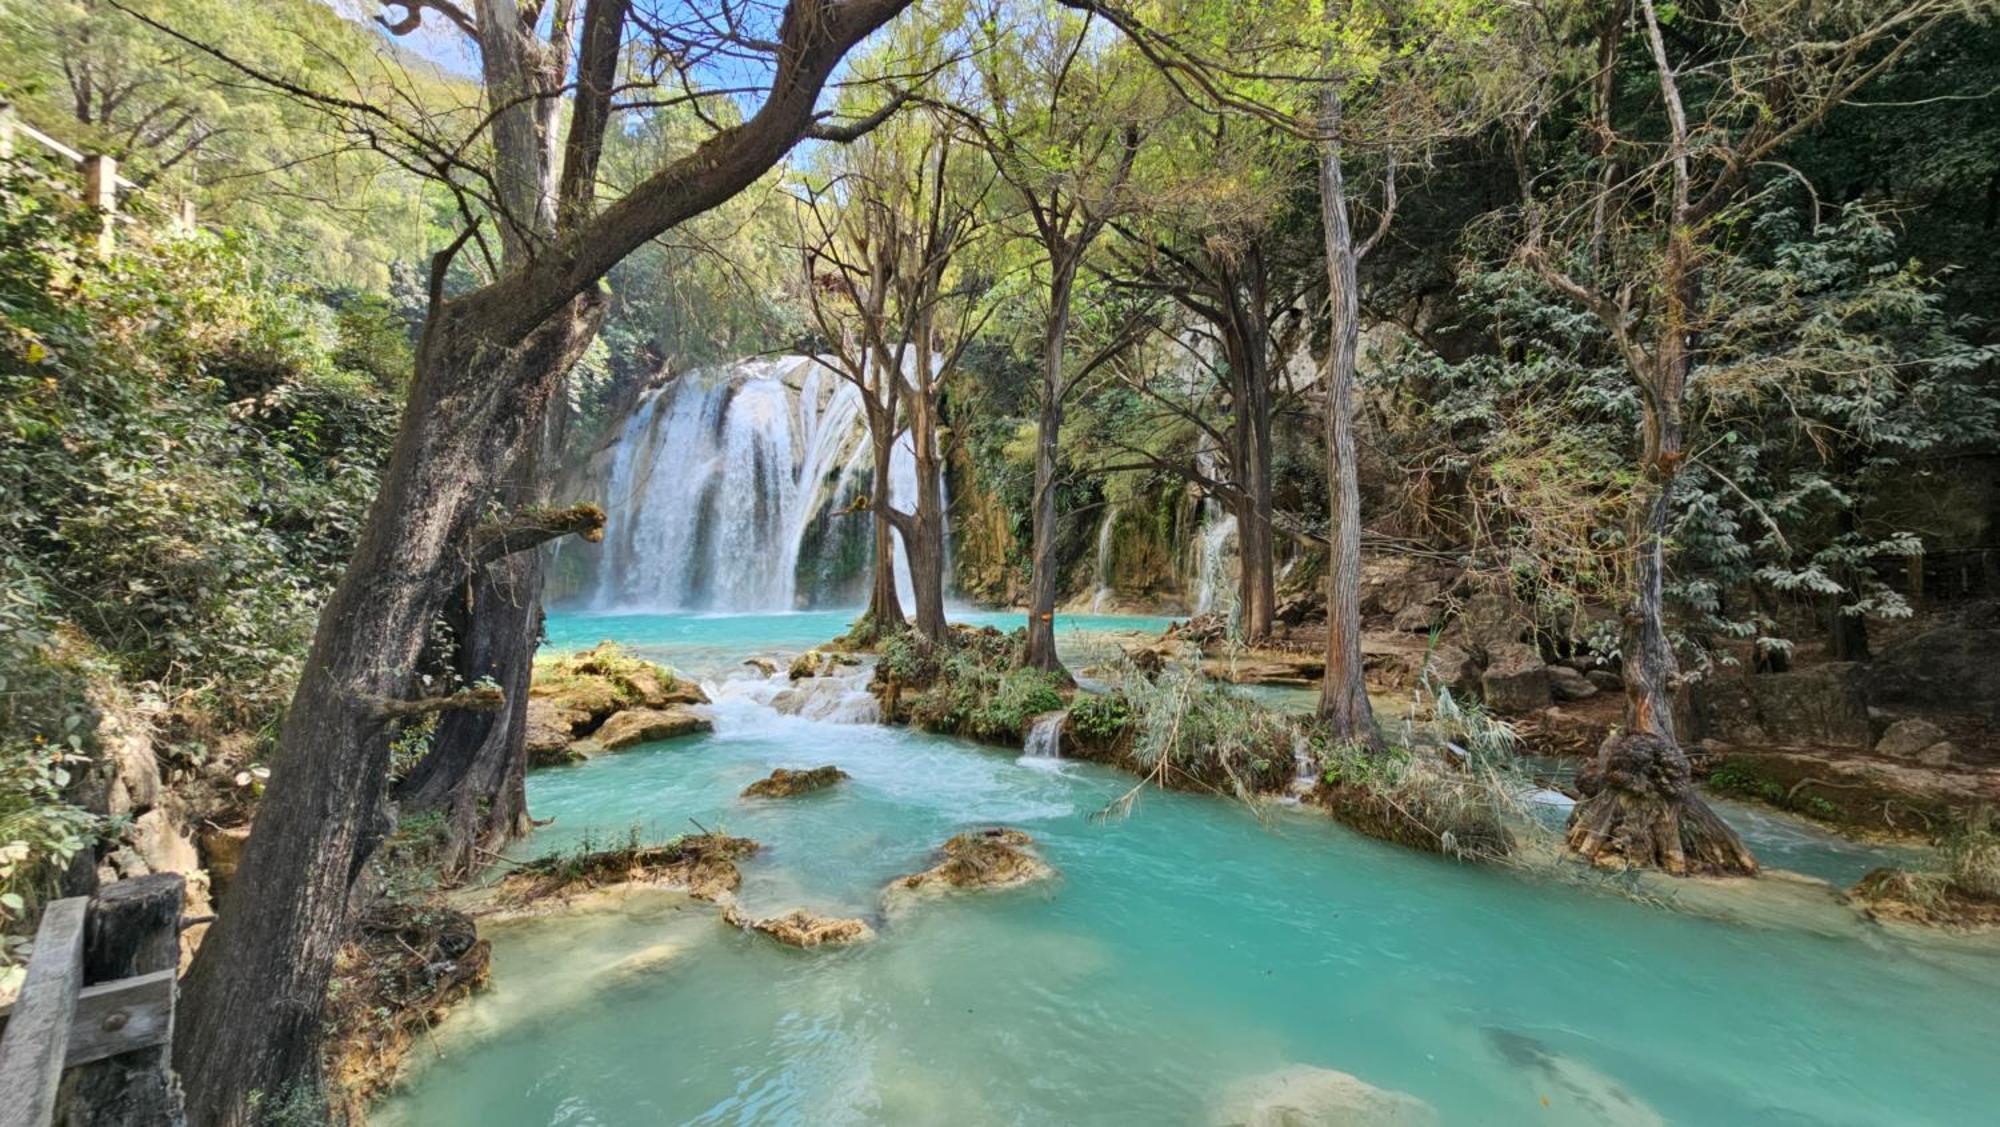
1344	708
1257	581
476	405
1048	433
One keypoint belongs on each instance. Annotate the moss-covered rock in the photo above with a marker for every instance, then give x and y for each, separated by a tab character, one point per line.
987	859
802	927
784	783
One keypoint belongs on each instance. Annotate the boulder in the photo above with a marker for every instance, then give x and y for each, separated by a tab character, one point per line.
550	730
603	680
1949	669
1452	667
1939	754
1515	679
636	726
1905	738
1567	684
1606	680
802	927
784	783
1492	616
1818	706
808	664
765	665
1304	1096
982	859
1417	618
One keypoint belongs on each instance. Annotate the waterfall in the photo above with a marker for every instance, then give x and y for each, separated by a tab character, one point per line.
1105	592
1044	738
725	489
1215	587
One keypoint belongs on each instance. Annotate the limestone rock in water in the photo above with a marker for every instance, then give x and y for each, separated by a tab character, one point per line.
551	729
982	859
1565	1090
1303	1096
1905	738
1568	684
1515	679
768	666
645	725
802	927
704	864
784	783
644	961
807	664
1640	810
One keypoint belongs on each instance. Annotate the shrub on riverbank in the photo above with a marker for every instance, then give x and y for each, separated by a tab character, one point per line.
973	686
1961	889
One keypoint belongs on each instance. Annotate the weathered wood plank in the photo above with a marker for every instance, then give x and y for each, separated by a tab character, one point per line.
37	1036
133	941
122	1017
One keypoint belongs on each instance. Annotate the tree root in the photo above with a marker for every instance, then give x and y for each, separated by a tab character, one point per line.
1640	810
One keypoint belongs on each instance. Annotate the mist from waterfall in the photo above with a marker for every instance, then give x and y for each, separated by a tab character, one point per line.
725	486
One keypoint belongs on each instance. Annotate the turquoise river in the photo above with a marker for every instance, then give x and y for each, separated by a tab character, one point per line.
1184	952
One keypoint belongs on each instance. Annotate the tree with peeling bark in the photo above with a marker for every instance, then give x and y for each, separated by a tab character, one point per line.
487	366
1635	241
1061	114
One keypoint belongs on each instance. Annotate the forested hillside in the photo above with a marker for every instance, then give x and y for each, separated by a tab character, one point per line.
1565	435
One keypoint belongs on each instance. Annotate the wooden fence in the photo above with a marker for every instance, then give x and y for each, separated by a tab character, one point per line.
103	188
89	1040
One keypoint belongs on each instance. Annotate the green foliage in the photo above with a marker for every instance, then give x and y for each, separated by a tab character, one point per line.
1190	730
187	464
1100	718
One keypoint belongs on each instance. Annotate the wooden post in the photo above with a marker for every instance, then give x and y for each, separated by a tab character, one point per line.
100	191
37	1036
134	934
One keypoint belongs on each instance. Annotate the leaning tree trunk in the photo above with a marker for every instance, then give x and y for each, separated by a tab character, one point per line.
1344	708
270	953
1048	434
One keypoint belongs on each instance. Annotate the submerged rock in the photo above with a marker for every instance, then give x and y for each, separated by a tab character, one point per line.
802	927
1304	1096
982	859
784	783
1569	1090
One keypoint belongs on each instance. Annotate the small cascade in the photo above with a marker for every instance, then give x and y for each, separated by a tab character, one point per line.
1104	593
1044	738
1305	772
746	699
1215	589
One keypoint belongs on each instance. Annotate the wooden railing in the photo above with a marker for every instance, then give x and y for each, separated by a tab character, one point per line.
103	187
89	1039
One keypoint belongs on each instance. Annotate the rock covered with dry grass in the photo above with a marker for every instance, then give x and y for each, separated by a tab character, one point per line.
605	699
994	858
786	783
1961	893
703	864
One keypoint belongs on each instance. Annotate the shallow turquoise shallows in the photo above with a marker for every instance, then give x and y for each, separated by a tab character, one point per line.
1184	951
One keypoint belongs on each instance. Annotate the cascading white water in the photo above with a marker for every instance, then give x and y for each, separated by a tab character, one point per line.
722	486
1104	593
1214	590
1044	738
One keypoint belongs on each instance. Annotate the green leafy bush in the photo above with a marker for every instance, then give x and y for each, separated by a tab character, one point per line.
1100	718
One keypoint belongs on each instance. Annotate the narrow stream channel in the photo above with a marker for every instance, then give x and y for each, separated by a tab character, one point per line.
1183	951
